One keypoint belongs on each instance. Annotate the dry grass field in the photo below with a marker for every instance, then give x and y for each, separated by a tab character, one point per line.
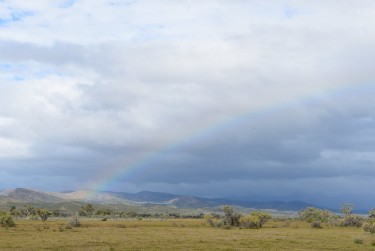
181	234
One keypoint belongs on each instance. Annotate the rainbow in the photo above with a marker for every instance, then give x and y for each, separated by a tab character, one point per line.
143	161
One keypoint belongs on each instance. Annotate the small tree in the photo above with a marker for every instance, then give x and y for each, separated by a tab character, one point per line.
28	211
43	214
312	214
255	220
262	216
347	209
231	218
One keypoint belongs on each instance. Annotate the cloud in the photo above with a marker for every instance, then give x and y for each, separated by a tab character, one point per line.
219	92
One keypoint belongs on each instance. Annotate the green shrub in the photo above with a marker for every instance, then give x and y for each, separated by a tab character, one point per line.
43	214
6	220
312	214
254	220
214	220
263	217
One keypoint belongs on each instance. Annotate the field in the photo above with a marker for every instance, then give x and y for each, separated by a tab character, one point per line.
181	234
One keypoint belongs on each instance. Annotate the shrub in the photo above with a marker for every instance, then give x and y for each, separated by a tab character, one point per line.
312	214
358	241
87	210
371	213
74	221
43	214
351	221
316	224
214	221
254	220
7	221
263	217
369	227
250	221
209	219
230	217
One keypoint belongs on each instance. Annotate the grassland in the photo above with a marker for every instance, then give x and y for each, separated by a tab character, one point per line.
181	234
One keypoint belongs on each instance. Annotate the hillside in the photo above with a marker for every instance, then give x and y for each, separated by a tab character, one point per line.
144	198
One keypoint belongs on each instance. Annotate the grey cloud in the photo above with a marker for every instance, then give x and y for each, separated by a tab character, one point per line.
216	97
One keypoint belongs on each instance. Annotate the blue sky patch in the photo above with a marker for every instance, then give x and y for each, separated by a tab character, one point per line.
67	4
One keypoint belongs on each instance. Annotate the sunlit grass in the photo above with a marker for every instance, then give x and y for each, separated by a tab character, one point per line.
178	234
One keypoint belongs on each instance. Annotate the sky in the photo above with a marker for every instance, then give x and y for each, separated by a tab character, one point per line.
256	99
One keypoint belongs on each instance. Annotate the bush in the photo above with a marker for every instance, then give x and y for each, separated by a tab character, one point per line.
358	241
230	217
43	214
7	221
312	214
316	224
263	217
209	219
255	219
214	220
250	221
351	221
74	221
369	228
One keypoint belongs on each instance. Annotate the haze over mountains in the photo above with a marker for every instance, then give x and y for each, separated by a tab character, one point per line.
23	195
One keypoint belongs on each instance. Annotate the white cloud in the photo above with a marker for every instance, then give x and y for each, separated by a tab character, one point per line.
10	148
116	79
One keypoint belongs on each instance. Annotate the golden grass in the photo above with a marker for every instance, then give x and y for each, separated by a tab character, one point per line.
179	234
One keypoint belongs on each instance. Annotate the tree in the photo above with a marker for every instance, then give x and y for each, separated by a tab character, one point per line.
87	210
262	216
312	214
255	219
28	211
43	214
347	209
371	213
231	218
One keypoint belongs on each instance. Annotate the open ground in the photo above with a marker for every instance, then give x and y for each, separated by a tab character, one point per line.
178	234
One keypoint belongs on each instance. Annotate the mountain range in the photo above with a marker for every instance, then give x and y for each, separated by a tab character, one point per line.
144	198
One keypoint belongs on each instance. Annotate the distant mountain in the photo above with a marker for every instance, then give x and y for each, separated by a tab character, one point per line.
27	195
146	198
